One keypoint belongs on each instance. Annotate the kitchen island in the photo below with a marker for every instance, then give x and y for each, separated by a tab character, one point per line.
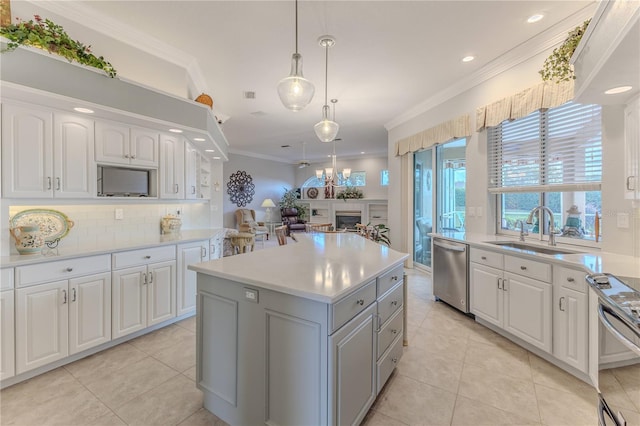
305	333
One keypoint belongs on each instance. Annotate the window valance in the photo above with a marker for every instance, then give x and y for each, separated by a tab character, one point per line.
459	127
542	96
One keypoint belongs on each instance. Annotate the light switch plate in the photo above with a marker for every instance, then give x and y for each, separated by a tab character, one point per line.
119	214
623	220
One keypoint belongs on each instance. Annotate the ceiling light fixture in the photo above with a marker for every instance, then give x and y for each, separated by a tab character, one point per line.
468	58
535	18
303	163
83	110
326	129
330	176
616	90
296	91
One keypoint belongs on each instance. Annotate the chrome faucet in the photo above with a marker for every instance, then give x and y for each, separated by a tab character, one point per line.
523	233
552	234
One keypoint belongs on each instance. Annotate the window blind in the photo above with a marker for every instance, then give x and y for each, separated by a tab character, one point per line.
558	149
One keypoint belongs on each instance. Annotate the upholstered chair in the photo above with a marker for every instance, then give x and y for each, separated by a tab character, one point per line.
291	219
246	220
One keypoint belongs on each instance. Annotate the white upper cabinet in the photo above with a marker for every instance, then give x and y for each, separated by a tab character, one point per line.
171	167
46	154
191	171
120	144
632	150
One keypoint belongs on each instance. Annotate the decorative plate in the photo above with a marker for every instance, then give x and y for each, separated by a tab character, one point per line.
54	225
312	192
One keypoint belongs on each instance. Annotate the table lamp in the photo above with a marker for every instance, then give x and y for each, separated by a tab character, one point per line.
268	204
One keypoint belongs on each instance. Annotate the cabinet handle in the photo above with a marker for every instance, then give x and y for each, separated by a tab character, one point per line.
74	294
57	184
394	303
69	269
193	189
64	297
48	182
176	187
150	277
360	302
504	284
394	278
484	258
499	281
147	257
570	279
629	180
394	331
394	360
203	252
524	268
560	303
126	156
133	157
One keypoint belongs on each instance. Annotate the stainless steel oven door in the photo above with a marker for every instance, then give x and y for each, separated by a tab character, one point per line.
619	371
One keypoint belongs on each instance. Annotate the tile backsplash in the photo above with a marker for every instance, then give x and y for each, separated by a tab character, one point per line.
97	224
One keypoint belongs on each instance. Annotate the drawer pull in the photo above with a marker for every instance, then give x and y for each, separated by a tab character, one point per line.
524	268
484	258
150	277
394	303
74	295
570	279
64	297
147	257
57	184
360	302
394	360
69	269
394	331
499	282
560	303
394	278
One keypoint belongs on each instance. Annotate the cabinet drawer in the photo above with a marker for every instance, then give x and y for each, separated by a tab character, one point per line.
352	305
389	331
486	257
528	268
143	256
6	278
570	278
61	270
389	279
390	302
389	361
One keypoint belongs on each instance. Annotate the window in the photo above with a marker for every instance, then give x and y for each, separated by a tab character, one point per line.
356	179
551	158
384	177
451	189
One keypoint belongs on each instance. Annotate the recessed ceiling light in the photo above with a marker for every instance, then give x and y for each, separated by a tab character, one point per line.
468	58
361	152
83	110
198	139
209	150
616	90
535	18
216	158
175	130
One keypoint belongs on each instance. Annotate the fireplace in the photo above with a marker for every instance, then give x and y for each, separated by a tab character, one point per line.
348	219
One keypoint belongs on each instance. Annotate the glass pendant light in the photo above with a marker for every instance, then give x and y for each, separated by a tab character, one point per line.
296	91
326	130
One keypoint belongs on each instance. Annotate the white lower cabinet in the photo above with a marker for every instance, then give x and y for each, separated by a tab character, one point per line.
186	286
143	296
58	319
7	335
519	304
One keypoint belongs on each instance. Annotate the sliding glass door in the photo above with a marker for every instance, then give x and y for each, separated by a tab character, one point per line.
423	206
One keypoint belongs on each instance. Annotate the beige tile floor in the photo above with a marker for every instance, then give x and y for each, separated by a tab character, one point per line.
454	372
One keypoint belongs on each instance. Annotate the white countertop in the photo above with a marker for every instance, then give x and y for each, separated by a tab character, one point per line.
108	247
321	267
589	259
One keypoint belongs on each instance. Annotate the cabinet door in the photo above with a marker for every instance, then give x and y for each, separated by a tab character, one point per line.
191	171
7	335
27	143
144	147
161	291
171	167
352	369
186	285
129	301
112	143
632	150
527	310
89	312
42	321
73	157
570	328
486	293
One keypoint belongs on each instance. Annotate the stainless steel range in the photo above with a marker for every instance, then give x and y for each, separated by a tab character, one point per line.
618	380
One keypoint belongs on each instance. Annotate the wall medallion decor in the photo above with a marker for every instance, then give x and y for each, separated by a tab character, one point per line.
241	188
312	193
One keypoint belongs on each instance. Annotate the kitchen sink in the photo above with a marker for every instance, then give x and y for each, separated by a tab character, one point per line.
535	249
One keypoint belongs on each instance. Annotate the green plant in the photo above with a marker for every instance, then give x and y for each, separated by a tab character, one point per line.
557	67
45	34
350	193
290	200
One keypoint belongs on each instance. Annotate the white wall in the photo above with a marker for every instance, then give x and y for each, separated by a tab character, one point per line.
507	83
269	177
372	166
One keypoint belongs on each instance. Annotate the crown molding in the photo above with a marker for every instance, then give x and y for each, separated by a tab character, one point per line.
260	156
542	42
81	14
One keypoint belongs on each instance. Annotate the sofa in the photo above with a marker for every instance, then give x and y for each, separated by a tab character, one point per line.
291	219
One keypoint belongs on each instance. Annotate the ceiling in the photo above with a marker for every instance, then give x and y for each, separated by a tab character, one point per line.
389	58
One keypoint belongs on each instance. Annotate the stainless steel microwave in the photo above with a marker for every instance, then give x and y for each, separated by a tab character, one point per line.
123	182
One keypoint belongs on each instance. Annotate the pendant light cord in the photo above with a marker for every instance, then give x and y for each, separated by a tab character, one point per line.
296	27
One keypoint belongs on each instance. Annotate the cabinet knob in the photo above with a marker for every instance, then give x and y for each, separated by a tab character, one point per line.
524	268
484	258
147	257
394	360
360	302
69	269
394	303
394	331
133	157
394	278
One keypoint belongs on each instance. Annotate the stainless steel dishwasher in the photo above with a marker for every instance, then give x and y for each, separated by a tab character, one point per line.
451	273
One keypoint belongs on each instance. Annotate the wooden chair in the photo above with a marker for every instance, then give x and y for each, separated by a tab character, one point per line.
281	234
319	227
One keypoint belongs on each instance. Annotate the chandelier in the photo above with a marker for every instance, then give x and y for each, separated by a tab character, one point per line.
330	175
326	129
295	91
